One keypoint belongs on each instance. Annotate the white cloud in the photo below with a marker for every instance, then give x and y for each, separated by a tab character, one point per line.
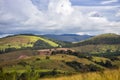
53	16
118	14
94	14
109	1
4	35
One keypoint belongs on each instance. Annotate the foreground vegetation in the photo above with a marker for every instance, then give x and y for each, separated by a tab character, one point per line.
106	75
37	67
35	75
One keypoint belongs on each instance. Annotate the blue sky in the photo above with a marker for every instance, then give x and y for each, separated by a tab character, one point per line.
95	2
60	16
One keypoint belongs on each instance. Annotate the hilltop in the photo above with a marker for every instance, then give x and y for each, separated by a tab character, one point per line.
109	38
24	41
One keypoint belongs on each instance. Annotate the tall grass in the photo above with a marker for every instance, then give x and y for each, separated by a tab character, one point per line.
28	75
33	75
106	75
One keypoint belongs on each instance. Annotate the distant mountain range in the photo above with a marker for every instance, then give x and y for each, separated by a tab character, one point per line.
68	37
61	37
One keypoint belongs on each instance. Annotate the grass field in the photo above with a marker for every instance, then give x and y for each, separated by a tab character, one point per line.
40	62
22	41
106	75
96	49
43	67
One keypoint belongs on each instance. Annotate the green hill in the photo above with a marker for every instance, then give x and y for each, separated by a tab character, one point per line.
109	38
23	41
93	55
106	45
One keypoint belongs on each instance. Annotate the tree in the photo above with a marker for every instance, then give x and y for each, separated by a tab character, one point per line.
39	44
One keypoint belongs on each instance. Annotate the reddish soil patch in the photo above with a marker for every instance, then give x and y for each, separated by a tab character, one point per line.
23	57
49	51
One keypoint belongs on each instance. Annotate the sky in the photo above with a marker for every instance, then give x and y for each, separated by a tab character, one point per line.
59	16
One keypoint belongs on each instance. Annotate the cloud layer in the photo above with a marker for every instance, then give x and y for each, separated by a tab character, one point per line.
57	16
109	1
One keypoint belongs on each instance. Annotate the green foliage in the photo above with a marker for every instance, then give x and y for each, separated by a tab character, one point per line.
22	63
38	59
39	44
82	67
47	57
106	63
30	74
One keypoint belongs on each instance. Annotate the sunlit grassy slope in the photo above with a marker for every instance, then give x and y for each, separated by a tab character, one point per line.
20	41
97	49
55	61
99	59
106	75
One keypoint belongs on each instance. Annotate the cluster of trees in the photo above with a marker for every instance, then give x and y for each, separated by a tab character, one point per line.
70	52
87	55
7	50
39	44
108	54
83	67
114	58
107	64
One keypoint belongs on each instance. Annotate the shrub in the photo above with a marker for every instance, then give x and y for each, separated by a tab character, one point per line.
54	72
47	57
38	59
23	63
82	67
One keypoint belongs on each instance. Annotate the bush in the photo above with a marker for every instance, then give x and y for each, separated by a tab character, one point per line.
107	64
23	63
83	68
47	57
38	59
54	72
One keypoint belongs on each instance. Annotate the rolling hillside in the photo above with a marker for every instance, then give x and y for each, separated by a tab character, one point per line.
23	41
101	39
104	45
